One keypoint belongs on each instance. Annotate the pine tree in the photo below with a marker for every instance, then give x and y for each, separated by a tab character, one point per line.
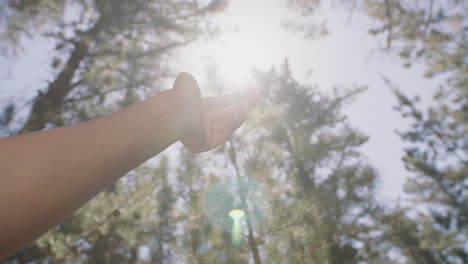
317	188
107	54
326	177
432	33
100	49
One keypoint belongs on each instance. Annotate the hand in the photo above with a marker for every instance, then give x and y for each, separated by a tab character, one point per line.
211	120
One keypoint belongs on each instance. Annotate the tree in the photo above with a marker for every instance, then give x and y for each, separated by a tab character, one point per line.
317	203
318	151
298	146
107	54
319	190
100	48
129	216
438	158
435	34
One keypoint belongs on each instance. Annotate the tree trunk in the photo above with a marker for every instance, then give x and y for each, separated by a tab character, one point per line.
48	106
253	244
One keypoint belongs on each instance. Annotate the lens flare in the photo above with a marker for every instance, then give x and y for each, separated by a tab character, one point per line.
229	203
236	215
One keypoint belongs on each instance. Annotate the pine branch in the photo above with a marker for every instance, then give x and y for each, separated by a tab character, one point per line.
390	24
76	248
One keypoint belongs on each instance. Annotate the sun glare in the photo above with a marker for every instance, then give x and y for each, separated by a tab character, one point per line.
239	52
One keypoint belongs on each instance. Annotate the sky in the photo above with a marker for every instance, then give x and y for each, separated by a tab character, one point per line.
255	38
346	56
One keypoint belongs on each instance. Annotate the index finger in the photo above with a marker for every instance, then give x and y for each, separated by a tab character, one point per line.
247	97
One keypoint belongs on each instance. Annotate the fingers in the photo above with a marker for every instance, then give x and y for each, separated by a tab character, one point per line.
247	97
217	117
225	121
220	134
222	126
218	128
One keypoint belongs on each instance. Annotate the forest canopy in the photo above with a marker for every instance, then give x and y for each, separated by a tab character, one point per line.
305	189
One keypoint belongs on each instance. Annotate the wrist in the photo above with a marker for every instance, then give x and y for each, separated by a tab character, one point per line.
187	112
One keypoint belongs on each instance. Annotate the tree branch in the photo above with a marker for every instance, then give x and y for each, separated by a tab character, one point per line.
390	24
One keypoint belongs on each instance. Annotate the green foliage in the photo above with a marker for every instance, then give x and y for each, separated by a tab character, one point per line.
307	160
24	18
302	149
100	49
7	115
303	20
297	143
433	33
438	158
436	34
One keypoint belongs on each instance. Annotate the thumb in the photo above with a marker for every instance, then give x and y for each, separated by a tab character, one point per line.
186	86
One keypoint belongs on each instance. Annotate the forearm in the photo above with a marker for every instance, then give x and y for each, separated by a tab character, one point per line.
47	175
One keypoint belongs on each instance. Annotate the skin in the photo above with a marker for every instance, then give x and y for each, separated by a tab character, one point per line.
47	175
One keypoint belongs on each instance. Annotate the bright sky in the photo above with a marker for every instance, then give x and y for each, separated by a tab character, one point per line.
343	57
346	56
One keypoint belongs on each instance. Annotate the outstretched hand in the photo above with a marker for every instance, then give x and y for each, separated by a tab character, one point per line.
212	120
57	181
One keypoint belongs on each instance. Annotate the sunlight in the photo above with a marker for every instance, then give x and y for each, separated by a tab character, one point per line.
239	52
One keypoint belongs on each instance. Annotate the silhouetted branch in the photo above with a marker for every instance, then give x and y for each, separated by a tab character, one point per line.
76	248
390	23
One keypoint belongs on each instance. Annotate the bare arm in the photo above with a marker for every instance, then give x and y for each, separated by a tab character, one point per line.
45	176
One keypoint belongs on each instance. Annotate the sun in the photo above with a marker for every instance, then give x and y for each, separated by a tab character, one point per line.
236	54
